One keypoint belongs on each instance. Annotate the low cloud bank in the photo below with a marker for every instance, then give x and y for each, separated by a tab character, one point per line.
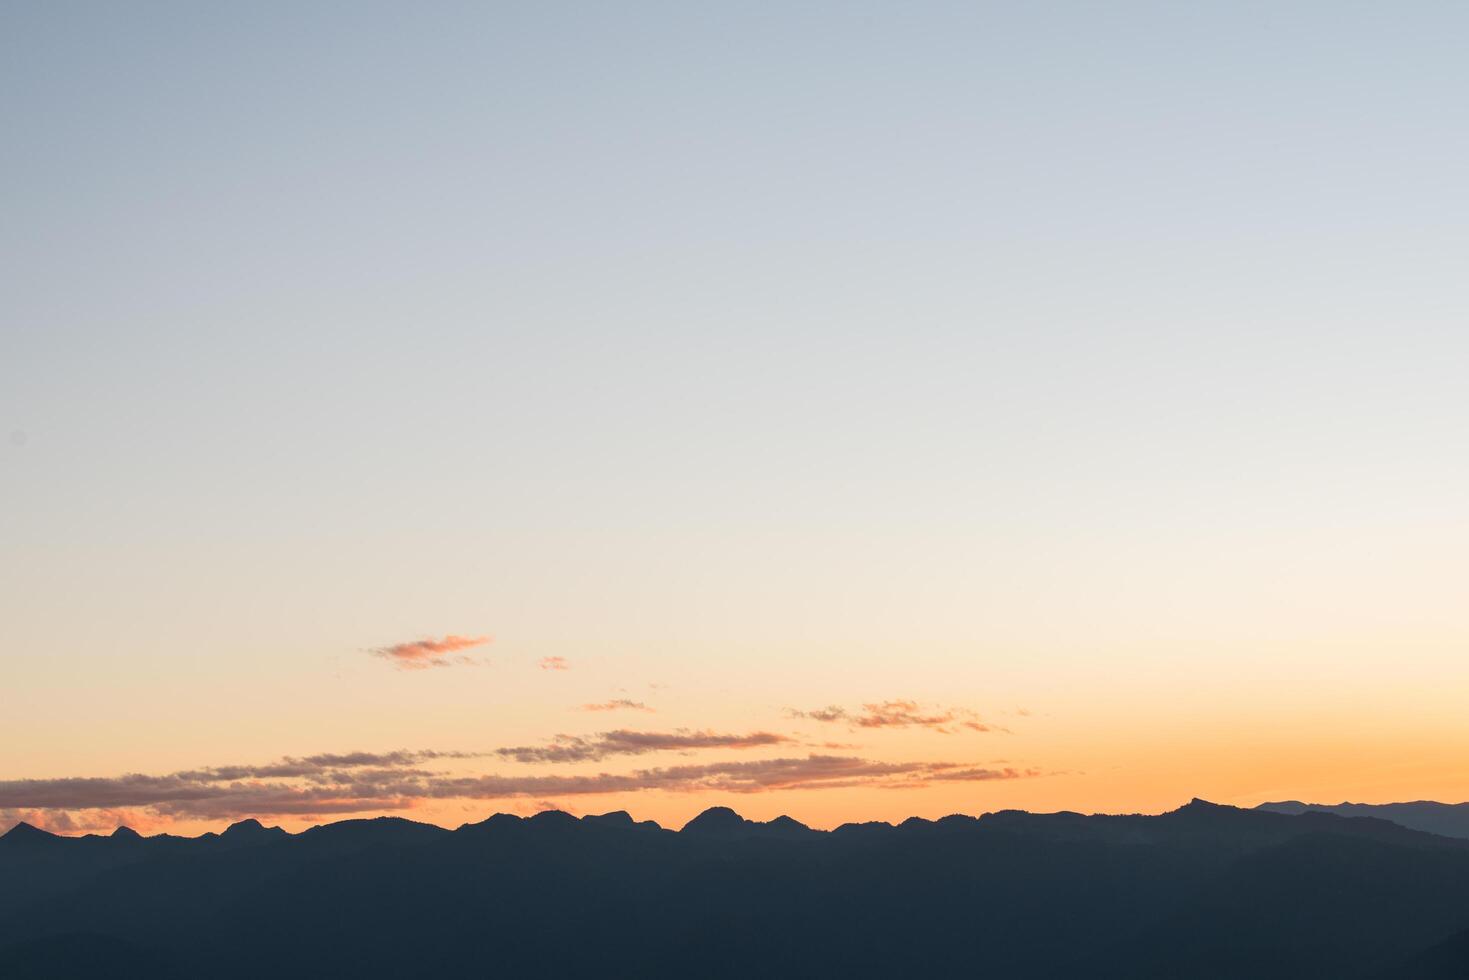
362	782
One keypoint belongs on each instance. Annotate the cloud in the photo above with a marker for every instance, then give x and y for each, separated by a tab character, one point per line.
821	714
316	784
617	704
577	748
554	663
420	654
323	767
397	781
79	822
758	776
900	714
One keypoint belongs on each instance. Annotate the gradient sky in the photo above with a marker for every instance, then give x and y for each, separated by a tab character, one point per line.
1094	373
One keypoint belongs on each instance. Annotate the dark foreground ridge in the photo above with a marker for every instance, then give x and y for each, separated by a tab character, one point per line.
1205	891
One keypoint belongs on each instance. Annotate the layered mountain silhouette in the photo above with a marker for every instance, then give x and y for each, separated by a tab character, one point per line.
1205	891
1446	819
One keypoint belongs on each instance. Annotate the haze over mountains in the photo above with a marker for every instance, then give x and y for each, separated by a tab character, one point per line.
1447	819
1205	891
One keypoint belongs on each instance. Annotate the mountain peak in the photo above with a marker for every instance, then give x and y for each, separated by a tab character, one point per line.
552	818
251	829
617	818
124	832
24	833
787	825
721	821
717	820
495	821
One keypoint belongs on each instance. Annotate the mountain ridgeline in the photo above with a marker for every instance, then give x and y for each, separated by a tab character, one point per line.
1205	891
1446	819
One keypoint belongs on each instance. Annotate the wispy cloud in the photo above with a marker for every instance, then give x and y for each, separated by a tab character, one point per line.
554	663
617	704
822	714
900	714
591	748
757	776
420	654
397	781
326	766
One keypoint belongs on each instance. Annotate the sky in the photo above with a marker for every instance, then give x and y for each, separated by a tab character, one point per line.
849	410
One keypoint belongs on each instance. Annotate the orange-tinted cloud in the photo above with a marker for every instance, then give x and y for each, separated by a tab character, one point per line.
900	714
554	663
78	821
325	766
400	784
419	654
617	704
577	748
758	776
832	713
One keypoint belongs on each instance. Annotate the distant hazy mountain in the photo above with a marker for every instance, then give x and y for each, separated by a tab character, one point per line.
1445	819
1203	892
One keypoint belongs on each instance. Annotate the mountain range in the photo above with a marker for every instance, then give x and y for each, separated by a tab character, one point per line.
1447	819
1204	891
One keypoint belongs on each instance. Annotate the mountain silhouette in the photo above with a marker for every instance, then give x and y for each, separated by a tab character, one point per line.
721	821
1446	819
1204	891
25	836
